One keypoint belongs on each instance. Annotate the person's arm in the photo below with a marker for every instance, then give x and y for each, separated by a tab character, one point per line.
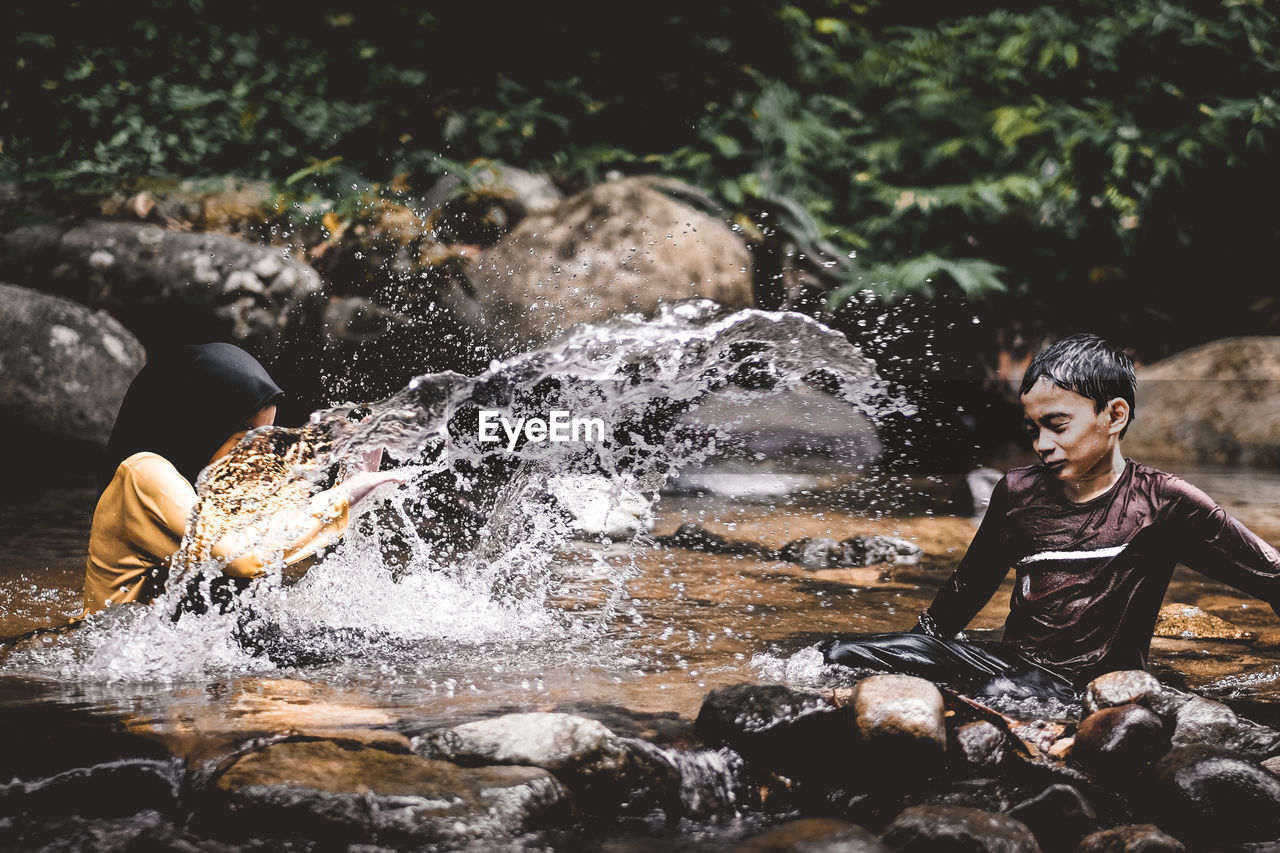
296	534
979	575
1215	544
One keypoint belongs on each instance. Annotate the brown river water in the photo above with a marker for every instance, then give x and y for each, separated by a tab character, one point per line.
686	623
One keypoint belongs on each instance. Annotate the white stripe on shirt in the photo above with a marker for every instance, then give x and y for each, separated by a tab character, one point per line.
1072	555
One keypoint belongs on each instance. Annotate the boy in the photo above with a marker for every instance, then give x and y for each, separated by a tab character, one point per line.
1093	538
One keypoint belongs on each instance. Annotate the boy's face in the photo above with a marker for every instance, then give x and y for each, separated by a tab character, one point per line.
1074	440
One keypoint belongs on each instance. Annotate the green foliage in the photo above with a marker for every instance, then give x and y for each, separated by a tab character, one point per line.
1052	156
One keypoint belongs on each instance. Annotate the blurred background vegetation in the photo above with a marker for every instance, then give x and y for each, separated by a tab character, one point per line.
1043	167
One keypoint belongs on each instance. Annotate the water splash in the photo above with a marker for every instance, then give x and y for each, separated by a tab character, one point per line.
472	548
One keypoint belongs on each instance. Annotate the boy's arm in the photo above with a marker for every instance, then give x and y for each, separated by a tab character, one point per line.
975	580
1216	544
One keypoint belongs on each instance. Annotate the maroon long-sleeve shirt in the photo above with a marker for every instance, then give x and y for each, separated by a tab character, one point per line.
1090	577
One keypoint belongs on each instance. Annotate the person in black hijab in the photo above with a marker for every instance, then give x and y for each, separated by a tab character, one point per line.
187	408
185	403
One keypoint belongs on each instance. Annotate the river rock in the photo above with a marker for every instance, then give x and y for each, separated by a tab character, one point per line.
1059	817
1208	793
1202	720
64	369
1187	622
814	835
901	719
931	828
1218	403
352	795
617	247
168	285
982	744
1123	687
779	729
603	770
818	552
872	550
1117	743
1134	838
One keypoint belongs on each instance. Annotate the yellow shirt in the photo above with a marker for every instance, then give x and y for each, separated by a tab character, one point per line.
141	518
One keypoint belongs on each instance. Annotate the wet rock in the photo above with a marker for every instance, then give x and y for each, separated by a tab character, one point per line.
901	718
779	729
617	247
352	794
168	285
982	744
64	369
1210	794
603	770
957	828
814	835
823	552
1119	742
1124	687
1135	838
1059	817
1216	403
695	537
819	552
1186	621
872	550
1201	720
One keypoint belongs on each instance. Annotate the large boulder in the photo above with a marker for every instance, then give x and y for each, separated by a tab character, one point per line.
616	247
1218	403
164	284
64	369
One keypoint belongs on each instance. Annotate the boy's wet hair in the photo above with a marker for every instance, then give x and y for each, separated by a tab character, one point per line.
1089	366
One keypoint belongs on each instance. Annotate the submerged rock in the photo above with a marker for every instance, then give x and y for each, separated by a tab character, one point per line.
1186	621
872	550
1123	687
823	552
814	835
1059	817
1134	838
64	369
353	794
695	537
602	769
820	552
931	828
1210	794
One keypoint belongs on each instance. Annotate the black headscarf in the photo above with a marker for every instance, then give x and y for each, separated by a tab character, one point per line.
184	404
